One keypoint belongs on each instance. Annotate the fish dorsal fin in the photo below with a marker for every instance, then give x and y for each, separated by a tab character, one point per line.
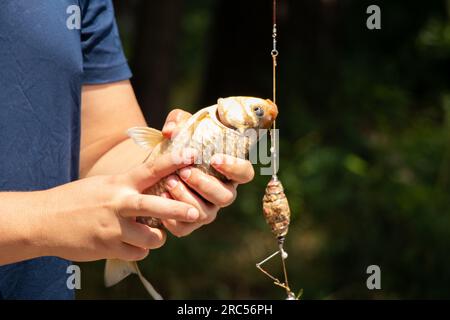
148	138
145	137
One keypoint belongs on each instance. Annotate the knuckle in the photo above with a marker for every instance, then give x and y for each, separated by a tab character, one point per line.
118	204
138	202
106	231
182	213
109	187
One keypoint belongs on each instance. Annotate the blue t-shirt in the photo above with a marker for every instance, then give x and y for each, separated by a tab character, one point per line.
48	50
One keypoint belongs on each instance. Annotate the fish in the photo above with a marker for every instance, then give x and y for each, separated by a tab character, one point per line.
232	126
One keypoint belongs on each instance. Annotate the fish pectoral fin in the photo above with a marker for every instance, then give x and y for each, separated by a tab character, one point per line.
117	270
145	137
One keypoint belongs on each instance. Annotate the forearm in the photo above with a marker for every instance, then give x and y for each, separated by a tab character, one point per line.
108	111
118	159
22	215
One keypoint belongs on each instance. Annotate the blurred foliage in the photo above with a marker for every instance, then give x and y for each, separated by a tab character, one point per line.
365	153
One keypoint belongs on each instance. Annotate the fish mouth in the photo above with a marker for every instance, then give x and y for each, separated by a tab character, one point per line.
272	115
274	111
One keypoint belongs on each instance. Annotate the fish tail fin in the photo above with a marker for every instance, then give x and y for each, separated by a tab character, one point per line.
117	270
148	286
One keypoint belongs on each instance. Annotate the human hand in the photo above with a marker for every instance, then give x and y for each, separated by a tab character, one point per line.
205	192
95	218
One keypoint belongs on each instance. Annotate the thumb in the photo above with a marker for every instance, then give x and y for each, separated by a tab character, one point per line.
149	173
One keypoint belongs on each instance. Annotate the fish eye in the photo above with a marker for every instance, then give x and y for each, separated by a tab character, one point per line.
259	112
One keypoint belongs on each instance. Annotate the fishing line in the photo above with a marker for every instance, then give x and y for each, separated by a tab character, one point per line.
275	204
274	53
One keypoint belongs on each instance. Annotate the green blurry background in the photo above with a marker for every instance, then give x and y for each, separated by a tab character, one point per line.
365	143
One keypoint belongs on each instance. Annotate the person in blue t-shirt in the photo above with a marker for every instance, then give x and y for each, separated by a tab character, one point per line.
71	182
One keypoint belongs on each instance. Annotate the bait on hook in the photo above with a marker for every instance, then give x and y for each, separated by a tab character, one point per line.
277	215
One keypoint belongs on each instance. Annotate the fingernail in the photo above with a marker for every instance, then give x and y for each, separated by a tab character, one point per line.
185	173
171	182
193	214
170	126
217	160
